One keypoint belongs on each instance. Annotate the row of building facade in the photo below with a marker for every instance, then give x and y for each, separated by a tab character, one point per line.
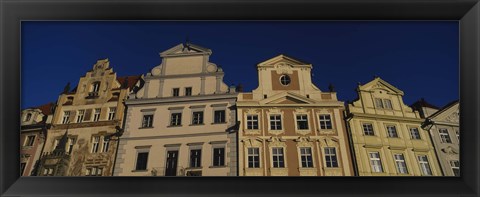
181	119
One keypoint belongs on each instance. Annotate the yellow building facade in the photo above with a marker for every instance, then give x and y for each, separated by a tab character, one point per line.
386	134
289	127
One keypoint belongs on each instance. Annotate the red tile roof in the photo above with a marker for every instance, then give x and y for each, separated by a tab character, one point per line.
46	108
132	80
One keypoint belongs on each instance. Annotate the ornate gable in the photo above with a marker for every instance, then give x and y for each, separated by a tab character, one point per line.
380	84
283	62
186	49
449	113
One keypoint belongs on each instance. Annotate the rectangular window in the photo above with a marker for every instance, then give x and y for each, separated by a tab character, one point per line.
142	158
424	166
30	140
188	91
400	163
387	103
176	119
105	145
444	136
176	92
302	122
96	115
415	133
196	158
375	162
325	121
66	117
331	157
197	117
218	156
94	171
253	158
111	113
379	103
147	121
80	115
219	116
368	129
252	122
306	157
278	158
455	167
95	141
392	131
275	122
22	168
70	143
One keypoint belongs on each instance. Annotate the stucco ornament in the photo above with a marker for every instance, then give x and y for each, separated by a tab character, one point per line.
450	150
454	117
304	141
157	70
211	68
283	68
276	142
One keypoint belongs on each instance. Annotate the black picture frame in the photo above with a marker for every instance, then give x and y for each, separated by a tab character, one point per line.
14	11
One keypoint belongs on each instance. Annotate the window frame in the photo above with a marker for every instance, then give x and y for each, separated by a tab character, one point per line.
96	116
149	123
177	91
253	121
95	144
306	156
400	161
188	90
279	156
222	156
395	132
372	131
444	137
200	119
66	117
197	163
331	155
287	78
297	125
424	163
253	155
178	119
215	116
112	112
138	152
276	120
325	121
28	142
455	166
411	134
374	160
80	115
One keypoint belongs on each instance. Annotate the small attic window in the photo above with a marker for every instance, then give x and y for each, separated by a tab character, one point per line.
28	117
285	80
95	86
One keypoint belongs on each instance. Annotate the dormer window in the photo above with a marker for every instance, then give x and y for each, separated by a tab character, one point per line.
285	80
28	117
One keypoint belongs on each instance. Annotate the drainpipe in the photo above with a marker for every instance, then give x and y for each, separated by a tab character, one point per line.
350	140
118	134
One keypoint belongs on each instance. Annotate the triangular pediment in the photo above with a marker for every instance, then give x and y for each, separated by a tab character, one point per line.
449	113
185	49
380	84
287	98
284	60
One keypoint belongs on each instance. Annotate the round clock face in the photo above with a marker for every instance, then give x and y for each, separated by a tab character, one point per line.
285	80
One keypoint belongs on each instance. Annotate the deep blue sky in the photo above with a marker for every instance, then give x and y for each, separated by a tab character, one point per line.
418	57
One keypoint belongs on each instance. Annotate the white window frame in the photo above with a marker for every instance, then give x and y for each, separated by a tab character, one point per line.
278	155
281	79
96	114
444	136
66	117
322	118
199	116
372	131
248	155
218	146
399	161
70	143
173	92
394	131
253	121
80	115
306	120
379	103
199	161
112	111
105	145
387	104
412	136
302	155
178	120
95	144
147	123
276	122
191	91
455	164
425	167
28	142
375	162
331	156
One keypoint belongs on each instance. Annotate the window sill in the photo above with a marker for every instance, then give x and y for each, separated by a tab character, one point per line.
196	124
146	170
174	126
194	168
217	166
145	127
219	123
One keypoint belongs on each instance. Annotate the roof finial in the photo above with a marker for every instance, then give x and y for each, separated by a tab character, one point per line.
375	76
